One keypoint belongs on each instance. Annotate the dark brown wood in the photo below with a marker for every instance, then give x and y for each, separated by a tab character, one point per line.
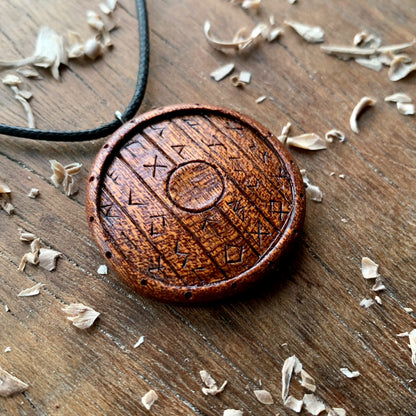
193	203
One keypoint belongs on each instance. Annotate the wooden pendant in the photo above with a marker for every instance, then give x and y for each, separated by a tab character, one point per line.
192	203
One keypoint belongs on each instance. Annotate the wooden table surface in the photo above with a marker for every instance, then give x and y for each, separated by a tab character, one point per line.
309	307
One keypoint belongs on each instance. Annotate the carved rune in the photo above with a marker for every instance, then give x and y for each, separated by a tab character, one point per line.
154	268
158	224
179	253
276	207
178	148
106	211
233	254
209	224
259	233
155	166
132	200
238	209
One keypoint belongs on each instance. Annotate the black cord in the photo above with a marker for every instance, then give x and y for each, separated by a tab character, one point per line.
106	129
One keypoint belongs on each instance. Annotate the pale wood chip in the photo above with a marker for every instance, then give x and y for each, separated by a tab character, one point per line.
10	385
366	40
291	1
11	80
102	269
366	303
313	404
293	404
398	97
348	52
369	268
274	33
104	8
285	132
4	188
402	334
312	191
76	45
112	4
312	34
337	411
222	72
348	373
378	285
28	72
48	258
358	109
407	109
373	63
93	48
251	4
291	364
378	300
95	21
261	99
31	291
33	193
232	412
245	76
334	134
408	310
307	381
308	141
80	315
263	396
149	399
64	176
400	68
412	341
8	349
139	342
207	378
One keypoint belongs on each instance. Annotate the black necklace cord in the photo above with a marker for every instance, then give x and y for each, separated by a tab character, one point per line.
106	129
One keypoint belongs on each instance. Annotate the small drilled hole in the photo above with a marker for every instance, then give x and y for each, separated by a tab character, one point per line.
301	195
188	295
91	178
233	285
91	219
143	282
108	254
105	146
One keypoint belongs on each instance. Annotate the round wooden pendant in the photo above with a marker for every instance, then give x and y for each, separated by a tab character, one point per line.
193	203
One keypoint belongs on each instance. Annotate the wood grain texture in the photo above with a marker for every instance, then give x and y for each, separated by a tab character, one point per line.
313	312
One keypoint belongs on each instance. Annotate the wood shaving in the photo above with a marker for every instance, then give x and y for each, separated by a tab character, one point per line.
28	72
105	9
139	342
337	411
76	45
291	1
378	285
293	404
400	68
358	109
366	40
7	349
250	4
274	33
263	396
378	300
211	385
408	310
232	412
48	258
94	20
149	399
312	34
307	381
412	341
11	80
291	364
313	404
371	63
222	72
312	191
5	199
308	141
64	176
402	335
260	99
366	303
399	97
245	76
80	315
33	256
33	193
93	48
112	4
285	132
10	385
31	291
407	109
341	176
102	269
348	373
334	134
369	268
26	236
23	97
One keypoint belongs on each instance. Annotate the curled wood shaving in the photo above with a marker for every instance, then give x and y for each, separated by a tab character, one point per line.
80	315
23	97
26	236
28	72
312	34
11	80
366	40
366	303
313	404
211	385
398	97
139	342
5	198
291	364
232	412
378	300
358	109
373	63
334	134
33	193
308	141
95	21
293	404
48	258
10	385
412	341
263	396
220	73
64	176
312	191
348	373
285	132
407	109
31	291
369	268
400	68
307	381
93	48
378	285
76	45
149	399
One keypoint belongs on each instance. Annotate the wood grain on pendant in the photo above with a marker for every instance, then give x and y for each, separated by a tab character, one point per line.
193	203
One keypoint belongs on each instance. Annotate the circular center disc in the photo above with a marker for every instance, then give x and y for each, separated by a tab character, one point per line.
193	203
195	186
